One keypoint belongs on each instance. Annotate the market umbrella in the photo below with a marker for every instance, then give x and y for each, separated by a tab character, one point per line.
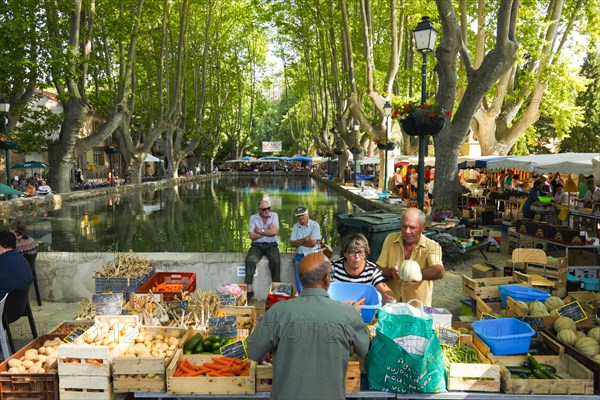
30	165
5	189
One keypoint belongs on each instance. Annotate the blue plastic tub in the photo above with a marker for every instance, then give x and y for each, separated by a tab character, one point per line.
505	336
519	293
348	291
591	284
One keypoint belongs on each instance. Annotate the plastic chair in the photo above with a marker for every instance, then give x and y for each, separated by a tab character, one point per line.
31	260
5	352
17	306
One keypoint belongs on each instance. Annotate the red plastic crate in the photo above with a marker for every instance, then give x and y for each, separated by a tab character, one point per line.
188	279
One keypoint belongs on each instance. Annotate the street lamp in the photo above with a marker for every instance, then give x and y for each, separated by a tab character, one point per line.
425	35
387	112
356	127
110	150
6	145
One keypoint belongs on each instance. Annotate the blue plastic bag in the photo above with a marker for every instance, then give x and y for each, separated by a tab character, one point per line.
406	356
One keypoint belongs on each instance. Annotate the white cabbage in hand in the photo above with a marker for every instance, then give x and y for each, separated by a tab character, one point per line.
410	271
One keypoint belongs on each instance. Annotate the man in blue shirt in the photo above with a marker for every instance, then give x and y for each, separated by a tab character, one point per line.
15	272
306	237
263	229
310	337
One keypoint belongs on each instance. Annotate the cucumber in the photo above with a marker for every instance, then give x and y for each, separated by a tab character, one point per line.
193	342
547	367
198	349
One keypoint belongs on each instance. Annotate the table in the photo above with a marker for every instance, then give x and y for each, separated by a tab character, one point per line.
380	395
556	244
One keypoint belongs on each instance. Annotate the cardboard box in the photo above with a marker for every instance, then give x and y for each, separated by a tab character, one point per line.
441	317
466	213
485	270
582	257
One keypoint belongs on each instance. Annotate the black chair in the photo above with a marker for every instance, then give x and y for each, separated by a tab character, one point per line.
31	260
17	306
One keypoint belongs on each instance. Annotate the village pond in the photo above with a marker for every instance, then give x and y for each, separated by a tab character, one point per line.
204	216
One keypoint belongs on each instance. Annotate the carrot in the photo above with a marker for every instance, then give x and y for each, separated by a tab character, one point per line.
222	360
214	367
245	373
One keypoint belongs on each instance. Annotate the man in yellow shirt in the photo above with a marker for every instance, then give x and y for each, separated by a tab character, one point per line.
411	244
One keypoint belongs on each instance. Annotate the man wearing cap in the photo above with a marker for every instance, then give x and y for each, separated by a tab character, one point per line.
263	229
306	237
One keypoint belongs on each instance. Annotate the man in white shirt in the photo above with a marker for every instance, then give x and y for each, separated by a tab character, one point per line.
263	229
306	237
592	197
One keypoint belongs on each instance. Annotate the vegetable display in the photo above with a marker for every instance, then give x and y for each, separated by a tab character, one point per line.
205	345
533	369
461	354
220	367
125	265
36	361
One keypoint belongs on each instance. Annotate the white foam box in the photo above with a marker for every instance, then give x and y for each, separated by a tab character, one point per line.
441	317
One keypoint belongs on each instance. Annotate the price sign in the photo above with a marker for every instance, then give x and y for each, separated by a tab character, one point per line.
107	303
448	337
228	299
487	316
223	326
220	321
235	350
70	338
572	310
534	322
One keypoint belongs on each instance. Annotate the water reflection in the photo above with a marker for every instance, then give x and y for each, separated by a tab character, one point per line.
210	216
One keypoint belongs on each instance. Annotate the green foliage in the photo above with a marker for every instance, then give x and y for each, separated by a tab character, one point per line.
37	128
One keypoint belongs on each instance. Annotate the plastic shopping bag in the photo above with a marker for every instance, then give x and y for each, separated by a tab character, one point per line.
406	356
563	214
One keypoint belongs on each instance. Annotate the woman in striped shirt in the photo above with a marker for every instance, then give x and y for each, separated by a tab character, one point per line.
354	266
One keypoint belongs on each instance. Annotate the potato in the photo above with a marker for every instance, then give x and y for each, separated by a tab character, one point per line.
21	369
51	362
42	350
34	369
28	364
31	354
14	370
42	359
14	362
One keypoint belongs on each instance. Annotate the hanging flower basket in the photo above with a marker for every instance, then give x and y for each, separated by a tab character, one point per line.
386	146
357	150
338	152
8	144
421	119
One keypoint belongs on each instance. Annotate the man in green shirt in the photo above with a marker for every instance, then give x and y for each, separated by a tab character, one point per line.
310	337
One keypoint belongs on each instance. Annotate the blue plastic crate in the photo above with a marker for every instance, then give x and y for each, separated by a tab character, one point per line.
122	284
520	293
505	336
349	291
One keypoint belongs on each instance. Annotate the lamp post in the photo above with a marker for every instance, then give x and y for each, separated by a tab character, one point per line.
356	127
110	150
425	35
4	108
387	112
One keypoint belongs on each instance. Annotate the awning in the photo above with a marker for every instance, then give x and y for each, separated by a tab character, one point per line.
570	163
151	158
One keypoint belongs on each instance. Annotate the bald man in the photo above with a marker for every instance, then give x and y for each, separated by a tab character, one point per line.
411	244
310	337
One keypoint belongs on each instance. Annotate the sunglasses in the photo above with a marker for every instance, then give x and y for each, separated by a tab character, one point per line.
266	209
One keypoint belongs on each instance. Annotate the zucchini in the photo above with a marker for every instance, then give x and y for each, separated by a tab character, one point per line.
193	342
547	367
519	370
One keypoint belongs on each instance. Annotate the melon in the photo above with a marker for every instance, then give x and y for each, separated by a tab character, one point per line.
587	346
536	307
594	333
567	336
564	323
553	303
596	358
554	313
540	313
580	334
410	271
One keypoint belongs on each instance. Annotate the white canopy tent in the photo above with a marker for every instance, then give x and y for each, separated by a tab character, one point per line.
570	163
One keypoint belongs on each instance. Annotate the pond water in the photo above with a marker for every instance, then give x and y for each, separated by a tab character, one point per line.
209	216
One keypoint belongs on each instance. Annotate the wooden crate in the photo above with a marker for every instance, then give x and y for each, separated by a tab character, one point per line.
577	378
66	327
265	372
207	384
82	387
144	374
483	307
512	310
487	288
245	317
470	377
19	386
